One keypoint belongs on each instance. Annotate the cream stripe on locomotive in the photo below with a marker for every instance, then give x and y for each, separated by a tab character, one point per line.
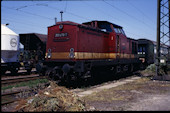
87	55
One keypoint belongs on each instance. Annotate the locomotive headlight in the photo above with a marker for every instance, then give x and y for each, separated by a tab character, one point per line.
49	53
71	55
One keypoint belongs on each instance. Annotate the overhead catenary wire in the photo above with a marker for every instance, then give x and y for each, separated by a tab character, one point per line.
22	23
131	16
14	19
19	9
15	29
109	15
140	11
99	10
66	12
44	17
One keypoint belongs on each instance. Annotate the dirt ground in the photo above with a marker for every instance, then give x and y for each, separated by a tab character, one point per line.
128	94
139	95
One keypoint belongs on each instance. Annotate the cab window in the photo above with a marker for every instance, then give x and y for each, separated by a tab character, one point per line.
122	31
105	27
119	30
116	30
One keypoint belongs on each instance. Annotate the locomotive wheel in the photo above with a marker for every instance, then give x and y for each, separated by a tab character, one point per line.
48	73
59	74
56	74
53	75
14	71
118	69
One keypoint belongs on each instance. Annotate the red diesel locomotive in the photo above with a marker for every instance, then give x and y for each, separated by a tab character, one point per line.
77	50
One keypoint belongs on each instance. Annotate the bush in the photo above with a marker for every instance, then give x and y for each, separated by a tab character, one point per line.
151	70
53	98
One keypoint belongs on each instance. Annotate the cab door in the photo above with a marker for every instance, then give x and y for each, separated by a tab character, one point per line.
118	46
112	43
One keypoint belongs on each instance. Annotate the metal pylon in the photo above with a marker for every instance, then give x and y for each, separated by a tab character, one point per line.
163	31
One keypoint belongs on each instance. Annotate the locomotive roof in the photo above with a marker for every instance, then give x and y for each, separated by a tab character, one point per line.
73	23
114	25
132	39
65	22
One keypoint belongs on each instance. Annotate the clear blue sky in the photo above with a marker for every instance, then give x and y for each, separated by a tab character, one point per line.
137	17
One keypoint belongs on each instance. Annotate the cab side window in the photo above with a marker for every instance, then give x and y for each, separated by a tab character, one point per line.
119	30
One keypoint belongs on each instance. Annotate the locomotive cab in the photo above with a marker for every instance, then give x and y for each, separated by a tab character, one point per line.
116	36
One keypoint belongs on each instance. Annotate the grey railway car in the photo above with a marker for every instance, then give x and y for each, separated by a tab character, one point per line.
9	50
147	52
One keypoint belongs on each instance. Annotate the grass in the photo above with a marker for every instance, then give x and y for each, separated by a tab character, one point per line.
28	83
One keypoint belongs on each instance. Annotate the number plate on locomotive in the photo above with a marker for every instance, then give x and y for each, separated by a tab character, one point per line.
61	34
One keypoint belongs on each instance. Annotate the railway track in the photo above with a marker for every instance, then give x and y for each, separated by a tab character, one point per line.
21	72
13	80
11	97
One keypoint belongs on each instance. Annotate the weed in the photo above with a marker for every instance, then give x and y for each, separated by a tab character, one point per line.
30	84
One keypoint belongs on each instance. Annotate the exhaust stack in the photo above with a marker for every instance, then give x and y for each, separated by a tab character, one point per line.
61	15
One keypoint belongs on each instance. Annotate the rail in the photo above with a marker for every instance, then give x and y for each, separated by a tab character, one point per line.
20	79
9	97
4	101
